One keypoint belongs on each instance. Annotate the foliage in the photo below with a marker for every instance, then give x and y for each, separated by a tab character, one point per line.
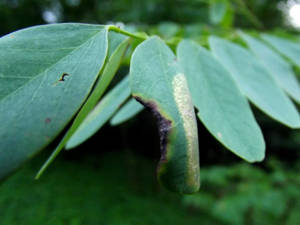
50	72
120	188
105	189
158	83
244	194
17	14
214	93
56	75
34	86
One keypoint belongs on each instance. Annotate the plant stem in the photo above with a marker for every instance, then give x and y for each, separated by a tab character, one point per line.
119	30
142	37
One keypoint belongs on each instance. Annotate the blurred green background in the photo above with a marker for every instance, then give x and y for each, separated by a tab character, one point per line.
110	180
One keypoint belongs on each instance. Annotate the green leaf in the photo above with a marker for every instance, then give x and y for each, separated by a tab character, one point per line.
157	82
286	47
228	19
116	50
46	73
168	29
280	70
217	10
101	114
129	110
222	108
255	81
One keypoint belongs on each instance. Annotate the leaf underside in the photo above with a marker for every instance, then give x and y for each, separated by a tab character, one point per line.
255	82
117	45
286	47
130	109
42	85
280	70
100	114
222	108
47	72
157	82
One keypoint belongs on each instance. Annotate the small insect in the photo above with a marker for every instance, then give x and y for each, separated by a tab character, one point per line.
62	78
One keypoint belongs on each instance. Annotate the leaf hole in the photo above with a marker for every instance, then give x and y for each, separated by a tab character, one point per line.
62	77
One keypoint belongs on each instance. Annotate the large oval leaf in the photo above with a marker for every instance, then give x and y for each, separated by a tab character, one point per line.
255	81
281	71
46	72
158	83
286	47
100	114
117	45
222	108
128	110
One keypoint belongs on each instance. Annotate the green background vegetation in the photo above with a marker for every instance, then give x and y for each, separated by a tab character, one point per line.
117	188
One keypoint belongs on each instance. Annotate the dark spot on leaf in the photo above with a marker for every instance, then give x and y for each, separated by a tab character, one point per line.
47	120
164	126
62	77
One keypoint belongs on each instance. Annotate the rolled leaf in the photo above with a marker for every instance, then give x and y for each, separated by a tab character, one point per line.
157	82
46	72
222	108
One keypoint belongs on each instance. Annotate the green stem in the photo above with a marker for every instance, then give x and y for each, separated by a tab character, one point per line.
119	30
142	37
